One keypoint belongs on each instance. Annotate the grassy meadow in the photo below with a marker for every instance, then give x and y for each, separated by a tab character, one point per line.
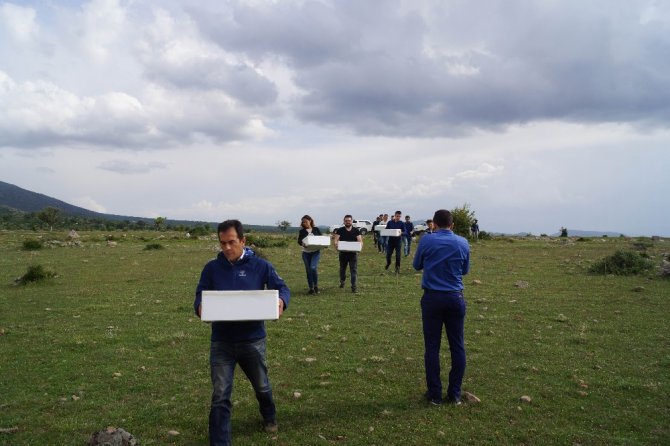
111	340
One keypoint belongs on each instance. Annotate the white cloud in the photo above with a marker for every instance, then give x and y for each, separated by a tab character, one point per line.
102	23
19	21
89	203
126	167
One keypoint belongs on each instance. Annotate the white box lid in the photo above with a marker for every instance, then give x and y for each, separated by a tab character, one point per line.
390	232
316	240
254	305
349	246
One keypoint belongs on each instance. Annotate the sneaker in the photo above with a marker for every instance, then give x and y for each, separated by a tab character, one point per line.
454	401
316	290
387	265
270	427
433	401
354	290
311	291
397	270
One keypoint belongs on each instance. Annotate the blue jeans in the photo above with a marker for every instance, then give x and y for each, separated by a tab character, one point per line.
311	260
223	357
446	308
406	245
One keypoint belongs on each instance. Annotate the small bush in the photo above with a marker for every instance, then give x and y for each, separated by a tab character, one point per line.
622	263
200	231
35	273
257	241
642	245
32	245
153	246
483	235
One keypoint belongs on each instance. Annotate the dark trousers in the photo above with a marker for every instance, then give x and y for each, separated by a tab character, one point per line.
223	357
393	245
446	308
351	259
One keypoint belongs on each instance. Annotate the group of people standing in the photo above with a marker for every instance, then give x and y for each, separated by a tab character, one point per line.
443	256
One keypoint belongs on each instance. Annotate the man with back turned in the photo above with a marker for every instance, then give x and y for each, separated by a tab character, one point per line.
444	258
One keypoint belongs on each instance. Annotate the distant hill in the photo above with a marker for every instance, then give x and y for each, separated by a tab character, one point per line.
579	233
15	199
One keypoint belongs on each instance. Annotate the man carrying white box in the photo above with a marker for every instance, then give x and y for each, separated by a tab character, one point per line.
237	268
350	236
394	228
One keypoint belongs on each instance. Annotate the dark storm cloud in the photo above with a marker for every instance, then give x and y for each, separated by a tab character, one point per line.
445	68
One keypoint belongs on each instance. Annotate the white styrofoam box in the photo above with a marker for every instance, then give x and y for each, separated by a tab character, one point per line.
255	305
349	246
390	232
378	228
316	241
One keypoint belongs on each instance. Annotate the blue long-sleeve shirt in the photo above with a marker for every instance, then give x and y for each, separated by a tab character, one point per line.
444	258
249	273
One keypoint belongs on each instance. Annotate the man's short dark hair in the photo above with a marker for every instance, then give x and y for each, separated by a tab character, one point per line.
398	212
226	225
348	216
443	218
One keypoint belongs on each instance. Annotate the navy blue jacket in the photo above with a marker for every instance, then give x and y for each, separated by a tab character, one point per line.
249	273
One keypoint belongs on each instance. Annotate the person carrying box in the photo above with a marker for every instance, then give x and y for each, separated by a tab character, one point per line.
237	268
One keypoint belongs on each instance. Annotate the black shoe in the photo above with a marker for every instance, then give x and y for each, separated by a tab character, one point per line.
316	290
454	401
387	265
354	290
433	401
270	427
397	270
311	291
342	284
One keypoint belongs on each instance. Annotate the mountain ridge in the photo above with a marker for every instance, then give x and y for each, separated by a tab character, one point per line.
18	199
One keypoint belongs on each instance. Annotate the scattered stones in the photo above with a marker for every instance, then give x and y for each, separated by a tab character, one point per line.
9	430
112	436
525	399
309	360
173	433
74	398
521	284
111	243
638	289
116	374
562	318
297	395
470	398
476	282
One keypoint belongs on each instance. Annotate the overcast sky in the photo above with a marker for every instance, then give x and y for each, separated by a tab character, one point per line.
538	114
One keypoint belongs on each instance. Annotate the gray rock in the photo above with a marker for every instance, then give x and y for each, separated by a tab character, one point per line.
113	436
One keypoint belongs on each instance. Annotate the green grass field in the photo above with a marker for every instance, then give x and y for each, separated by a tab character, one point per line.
112	340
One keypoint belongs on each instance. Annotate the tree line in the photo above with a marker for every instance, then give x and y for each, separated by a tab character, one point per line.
51	218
